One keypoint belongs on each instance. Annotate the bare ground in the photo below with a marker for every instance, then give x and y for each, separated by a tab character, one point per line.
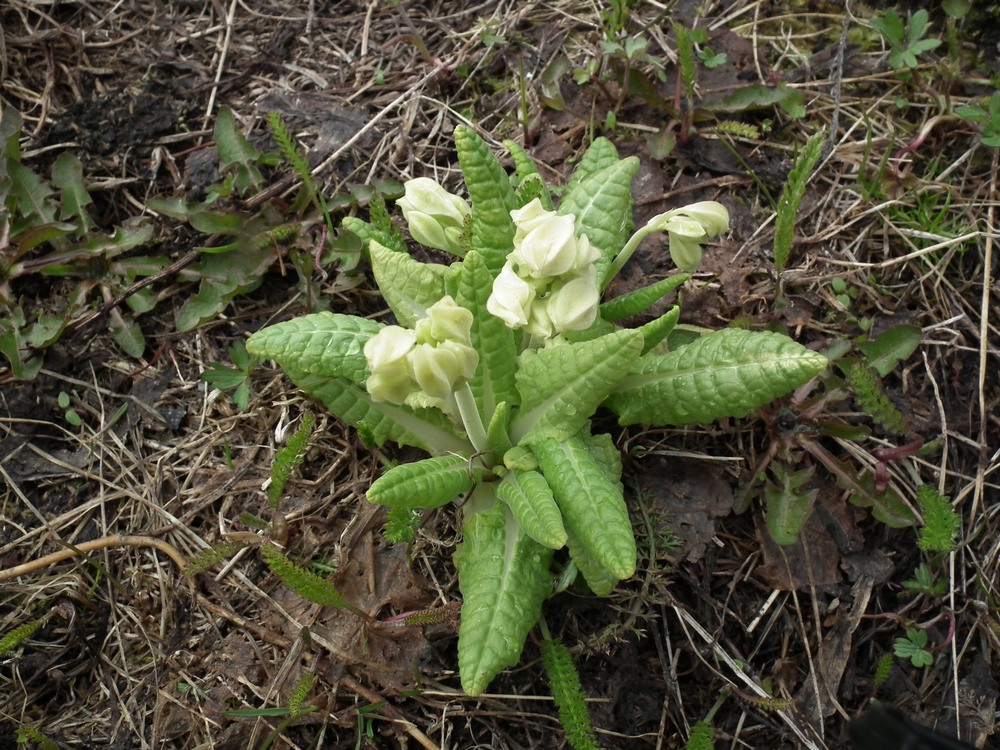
134	654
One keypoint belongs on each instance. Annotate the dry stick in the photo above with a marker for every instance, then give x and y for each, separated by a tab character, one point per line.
112	540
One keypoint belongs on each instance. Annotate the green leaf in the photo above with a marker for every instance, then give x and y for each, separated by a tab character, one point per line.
491	195
324	343
531	501
128	335
788	506
759	96
67	175
591	502
126	237
722	374
640	300
422	428
493	381
887	506
46	330
891	347
235	151
561	386
23	368
602	206
429	483
32	195
222	278
504	578
409	286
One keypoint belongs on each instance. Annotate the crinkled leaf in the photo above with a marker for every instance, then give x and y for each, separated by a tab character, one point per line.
722	374
656	331
498	429
367	233
600	580
324	343
531	501
493	381
591	502
605	453
422	428
599	155
491	195
429	483
409	286
602	205
640	300
890	347
527	170
504	578
562	386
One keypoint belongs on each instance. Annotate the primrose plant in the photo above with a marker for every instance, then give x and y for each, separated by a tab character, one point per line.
498	362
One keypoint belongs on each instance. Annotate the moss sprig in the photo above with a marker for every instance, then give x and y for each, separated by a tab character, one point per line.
289	458
564	681
868	393
306	583
941	523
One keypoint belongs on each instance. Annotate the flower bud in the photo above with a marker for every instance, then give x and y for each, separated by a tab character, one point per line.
438	368
435	216
446	320
572	306
511	297
387	355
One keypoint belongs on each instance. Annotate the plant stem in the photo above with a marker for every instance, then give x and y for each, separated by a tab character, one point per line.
626	252
471	420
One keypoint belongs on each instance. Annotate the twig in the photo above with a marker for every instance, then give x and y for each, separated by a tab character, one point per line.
112	540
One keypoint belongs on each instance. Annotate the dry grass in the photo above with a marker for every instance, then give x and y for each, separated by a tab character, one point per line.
134	654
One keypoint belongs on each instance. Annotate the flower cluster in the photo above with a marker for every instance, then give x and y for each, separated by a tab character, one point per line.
412	366
435	216
549	283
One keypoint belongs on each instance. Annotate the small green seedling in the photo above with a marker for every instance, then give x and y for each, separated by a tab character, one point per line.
235	378
906	41
987	115
912	647
924	582
70	414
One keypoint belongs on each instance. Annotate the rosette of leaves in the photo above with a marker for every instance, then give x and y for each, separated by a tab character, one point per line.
532	476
